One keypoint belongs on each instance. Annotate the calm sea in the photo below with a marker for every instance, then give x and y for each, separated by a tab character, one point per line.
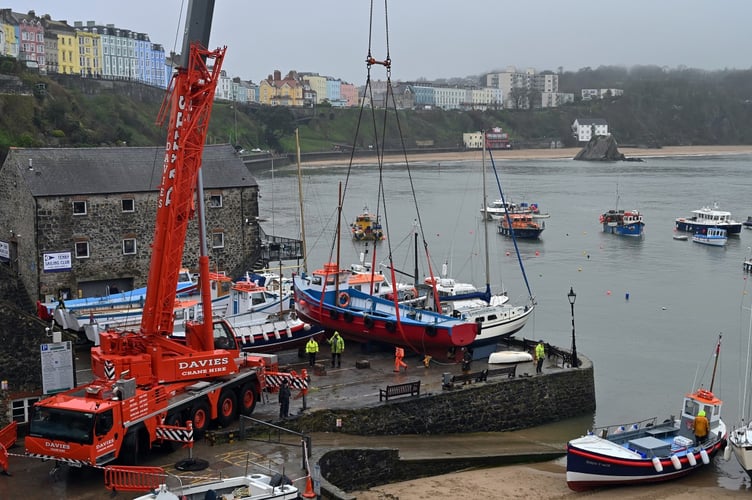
647	349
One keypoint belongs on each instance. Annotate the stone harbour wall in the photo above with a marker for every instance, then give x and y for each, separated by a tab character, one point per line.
494	406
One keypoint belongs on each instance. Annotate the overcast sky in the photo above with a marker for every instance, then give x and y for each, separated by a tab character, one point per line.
435	39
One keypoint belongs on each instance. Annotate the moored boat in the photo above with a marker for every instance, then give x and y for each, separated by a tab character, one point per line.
623	223
648	451
712	236
522	225
367	227
748	223
499	207
706	217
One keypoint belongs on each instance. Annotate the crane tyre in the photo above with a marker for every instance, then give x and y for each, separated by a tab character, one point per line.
227	408
130	452
247	399
200	417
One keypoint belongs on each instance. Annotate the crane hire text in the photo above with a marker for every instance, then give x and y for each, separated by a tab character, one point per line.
203	366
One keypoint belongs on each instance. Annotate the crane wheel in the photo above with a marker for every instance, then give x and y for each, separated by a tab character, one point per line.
227	407
247	399
130	450
200	418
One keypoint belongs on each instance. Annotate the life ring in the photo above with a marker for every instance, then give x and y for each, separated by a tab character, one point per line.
431	330
390	326
347	315
333	313
343	299
367	321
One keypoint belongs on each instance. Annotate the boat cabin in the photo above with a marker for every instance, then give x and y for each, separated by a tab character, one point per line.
693	403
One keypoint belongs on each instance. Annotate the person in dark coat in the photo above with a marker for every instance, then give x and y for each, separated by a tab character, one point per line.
284	399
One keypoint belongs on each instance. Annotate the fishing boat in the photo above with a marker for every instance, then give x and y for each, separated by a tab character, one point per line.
497	209
367	227
706	217
124	309
338	299
623	223
648	451
249	487
748	223
260	320
712	236
522	225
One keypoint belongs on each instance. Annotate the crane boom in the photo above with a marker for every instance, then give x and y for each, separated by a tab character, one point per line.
189	103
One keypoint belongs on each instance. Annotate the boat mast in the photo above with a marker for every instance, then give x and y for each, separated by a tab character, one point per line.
338	238
300	201
715	363
485	223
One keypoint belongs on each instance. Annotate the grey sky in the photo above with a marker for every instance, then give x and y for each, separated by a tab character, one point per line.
439	38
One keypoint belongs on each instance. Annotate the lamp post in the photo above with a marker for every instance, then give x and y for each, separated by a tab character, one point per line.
572	297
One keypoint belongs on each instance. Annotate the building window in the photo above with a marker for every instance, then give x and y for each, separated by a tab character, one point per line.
82	249
20	409
79	208
218	240
215	201
129	246
128	205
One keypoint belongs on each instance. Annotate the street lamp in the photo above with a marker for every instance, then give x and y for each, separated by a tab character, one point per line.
572	297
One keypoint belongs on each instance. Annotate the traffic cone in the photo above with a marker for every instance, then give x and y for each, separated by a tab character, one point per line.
309	493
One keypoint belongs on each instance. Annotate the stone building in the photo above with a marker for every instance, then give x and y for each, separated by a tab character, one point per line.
77	221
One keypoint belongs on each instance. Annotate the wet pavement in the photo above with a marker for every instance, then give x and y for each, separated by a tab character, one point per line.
346	387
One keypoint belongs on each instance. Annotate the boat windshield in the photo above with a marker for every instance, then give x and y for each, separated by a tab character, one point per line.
64	425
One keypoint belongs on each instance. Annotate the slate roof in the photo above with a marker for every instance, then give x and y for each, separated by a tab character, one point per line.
75	171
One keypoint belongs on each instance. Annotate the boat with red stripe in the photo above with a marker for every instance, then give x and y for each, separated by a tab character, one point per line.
647	451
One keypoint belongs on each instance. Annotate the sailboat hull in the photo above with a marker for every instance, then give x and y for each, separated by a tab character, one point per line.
366	318
741	444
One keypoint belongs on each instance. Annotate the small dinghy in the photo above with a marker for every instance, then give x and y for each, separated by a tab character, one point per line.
506	357
682	237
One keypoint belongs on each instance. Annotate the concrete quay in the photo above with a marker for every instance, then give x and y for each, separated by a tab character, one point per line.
356	441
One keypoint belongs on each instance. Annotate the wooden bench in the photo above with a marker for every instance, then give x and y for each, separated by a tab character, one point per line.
406	389
464	379
509	371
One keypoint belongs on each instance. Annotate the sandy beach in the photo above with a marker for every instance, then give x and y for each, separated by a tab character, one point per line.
541	154
538	481
545	480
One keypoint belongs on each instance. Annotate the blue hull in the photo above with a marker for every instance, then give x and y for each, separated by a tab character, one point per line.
624	230
526	234
587	469
692	227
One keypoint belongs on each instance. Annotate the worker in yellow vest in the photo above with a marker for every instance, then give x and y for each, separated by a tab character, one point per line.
311	348
540	353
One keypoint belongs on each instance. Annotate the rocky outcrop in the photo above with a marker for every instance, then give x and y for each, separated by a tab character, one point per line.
600	148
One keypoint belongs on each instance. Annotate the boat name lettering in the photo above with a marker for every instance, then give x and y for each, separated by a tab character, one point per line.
598	464
204	363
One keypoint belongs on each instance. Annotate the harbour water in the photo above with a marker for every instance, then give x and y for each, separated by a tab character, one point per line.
648	311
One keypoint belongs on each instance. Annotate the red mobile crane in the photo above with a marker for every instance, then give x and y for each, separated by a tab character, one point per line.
145	380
